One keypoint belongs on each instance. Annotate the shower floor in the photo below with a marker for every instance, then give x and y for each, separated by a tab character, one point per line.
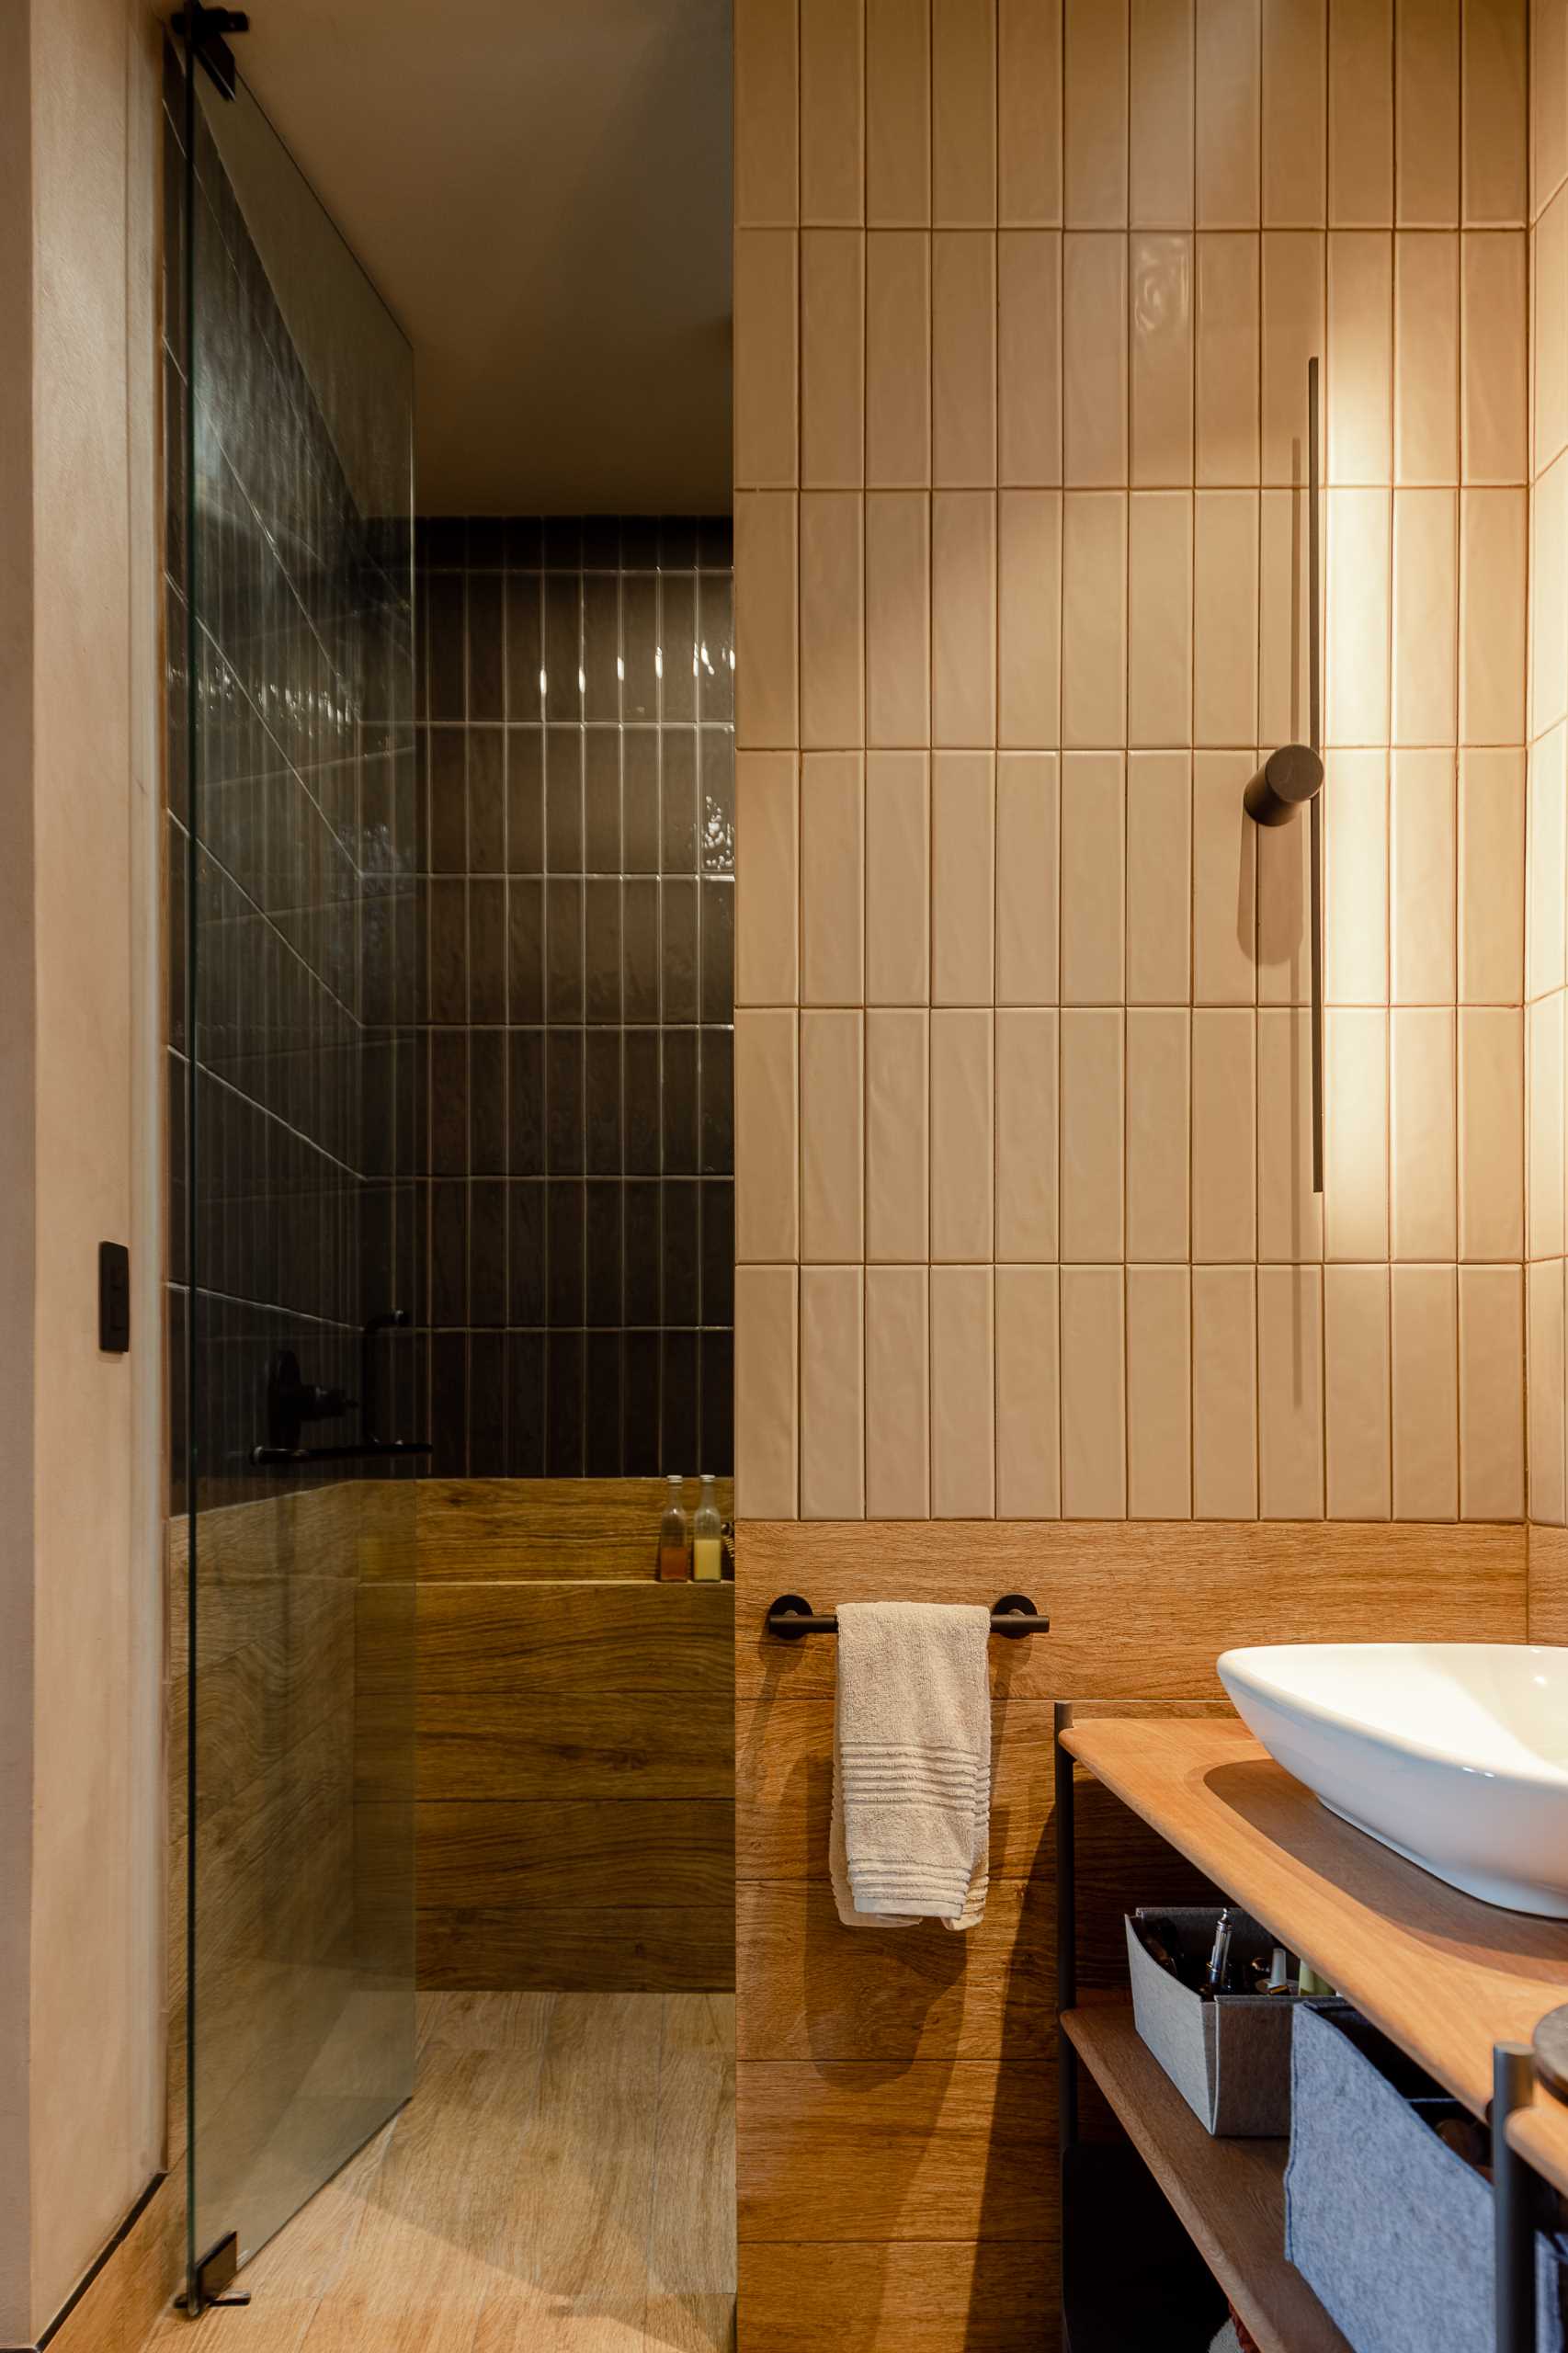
563	2181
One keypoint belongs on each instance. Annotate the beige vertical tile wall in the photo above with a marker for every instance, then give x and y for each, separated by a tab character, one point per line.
1023	304
1546	832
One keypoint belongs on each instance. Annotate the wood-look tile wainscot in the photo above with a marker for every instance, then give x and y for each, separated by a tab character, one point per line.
575	1817
895	2090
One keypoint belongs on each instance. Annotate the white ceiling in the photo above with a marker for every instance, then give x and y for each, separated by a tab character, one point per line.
540	189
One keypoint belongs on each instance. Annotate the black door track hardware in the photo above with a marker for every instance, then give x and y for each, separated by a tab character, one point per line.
292	1402
216	2271
202	31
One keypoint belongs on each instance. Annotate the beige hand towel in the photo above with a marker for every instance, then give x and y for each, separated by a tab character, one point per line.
910	1764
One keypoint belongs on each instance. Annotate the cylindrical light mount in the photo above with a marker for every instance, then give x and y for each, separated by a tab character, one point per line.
1288	779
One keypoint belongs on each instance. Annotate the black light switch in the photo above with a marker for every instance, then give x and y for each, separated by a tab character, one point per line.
114	1298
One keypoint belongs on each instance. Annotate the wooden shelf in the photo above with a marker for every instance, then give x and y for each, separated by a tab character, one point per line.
1443	1976
1228	2195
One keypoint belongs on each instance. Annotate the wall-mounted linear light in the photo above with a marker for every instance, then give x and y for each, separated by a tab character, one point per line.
1293	775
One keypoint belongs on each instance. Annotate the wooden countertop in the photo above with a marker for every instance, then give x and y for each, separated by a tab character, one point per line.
1444	1975
1228	2195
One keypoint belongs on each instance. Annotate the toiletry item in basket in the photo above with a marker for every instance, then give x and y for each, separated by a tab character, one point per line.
1216	1977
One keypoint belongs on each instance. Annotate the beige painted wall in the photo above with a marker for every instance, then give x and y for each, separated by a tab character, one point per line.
80	2056
1024	297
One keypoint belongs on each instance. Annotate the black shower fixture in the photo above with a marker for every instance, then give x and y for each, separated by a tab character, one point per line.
1292	778
1288	779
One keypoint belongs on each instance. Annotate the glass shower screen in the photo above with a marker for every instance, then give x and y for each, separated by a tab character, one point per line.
293	1258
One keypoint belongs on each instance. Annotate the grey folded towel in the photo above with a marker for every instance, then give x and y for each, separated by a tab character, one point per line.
910	1764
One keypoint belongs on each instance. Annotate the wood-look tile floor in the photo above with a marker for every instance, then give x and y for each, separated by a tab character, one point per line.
563	2181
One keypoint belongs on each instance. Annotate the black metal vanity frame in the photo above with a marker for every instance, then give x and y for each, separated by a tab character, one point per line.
1523	2203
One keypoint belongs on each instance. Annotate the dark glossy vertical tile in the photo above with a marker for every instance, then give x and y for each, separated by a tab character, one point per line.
641	1223
488	950
565	1101
487	1102
678	996
718	990
449	1102
603	1098
601	645
677	542
525	799
716	542
716	781
449	1255
678	827
715	649
718	1251
718	1086
525	950
677	630
678	1093
565	1293
638	543
562	543
524	545
718	1412
563	646
603	1238
524	1102
525	646
639	950
601	924
678	1434
449	951
446	542
640	1068
639	1405
601	542
640	800
563	799
445	603
486	542
526	1246
563	950
486	654
563	1406
601	1448
640	645
524	1405
487	1405
487	1299
681	1251
486	801
601	800
448	1404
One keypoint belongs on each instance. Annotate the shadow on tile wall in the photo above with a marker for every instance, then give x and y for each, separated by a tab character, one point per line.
577	701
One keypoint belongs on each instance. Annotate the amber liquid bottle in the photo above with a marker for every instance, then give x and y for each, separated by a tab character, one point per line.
674	1537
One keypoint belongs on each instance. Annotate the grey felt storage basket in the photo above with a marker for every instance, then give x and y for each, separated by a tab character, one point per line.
1230	2058
1389	2227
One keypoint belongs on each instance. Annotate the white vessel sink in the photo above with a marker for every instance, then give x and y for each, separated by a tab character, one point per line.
1453	1754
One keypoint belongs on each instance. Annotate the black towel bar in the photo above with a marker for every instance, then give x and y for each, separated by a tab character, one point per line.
791	1619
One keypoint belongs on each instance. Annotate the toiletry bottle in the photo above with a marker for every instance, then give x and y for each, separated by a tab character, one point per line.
707	1536
675	1555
